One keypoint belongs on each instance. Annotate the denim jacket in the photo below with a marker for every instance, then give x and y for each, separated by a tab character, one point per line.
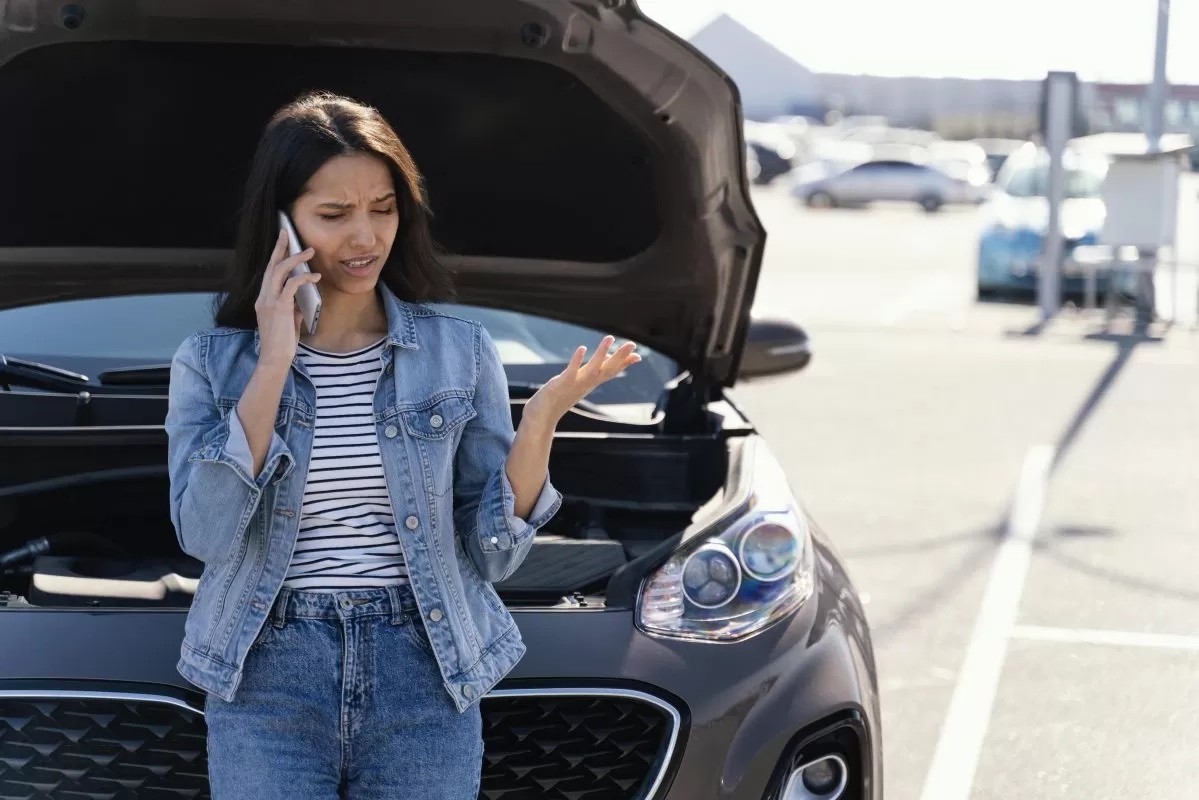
445	428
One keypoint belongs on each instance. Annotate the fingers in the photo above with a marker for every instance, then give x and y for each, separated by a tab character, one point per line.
576	360
288	292
599	356
620	360
279	273
280	250
276	254
603	366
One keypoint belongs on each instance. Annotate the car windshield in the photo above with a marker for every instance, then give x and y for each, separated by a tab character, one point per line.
1033	181
93	335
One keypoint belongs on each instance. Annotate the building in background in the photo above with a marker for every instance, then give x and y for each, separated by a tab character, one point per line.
773	84
1123	107
956	108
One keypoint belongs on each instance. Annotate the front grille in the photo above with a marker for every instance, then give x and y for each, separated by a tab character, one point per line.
545	745
591	747
100	749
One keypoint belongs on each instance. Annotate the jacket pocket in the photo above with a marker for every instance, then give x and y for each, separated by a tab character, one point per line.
436	426
438	419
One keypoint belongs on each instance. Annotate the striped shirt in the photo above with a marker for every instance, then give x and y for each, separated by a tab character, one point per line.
347	534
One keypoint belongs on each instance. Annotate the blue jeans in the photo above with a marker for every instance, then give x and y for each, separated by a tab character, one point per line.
342	698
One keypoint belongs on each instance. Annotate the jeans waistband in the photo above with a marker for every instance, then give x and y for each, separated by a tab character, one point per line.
395	601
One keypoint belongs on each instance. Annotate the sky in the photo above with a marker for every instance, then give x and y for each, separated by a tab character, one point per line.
1101	40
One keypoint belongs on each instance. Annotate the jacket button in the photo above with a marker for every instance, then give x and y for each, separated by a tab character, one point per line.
435	615
495	540
436	420
468	691
390	431
411	523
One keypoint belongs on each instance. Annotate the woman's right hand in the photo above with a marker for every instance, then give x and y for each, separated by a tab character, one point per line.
279	317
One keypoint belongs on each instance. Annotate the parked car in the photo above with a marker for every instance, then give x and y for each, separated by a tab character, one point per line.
691	631
772	163
752	167
872	181
773	148
963	161
1016	217
997	151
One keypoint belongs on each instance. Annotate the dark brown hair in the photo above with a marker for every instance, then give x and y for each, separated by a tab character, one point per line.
298	140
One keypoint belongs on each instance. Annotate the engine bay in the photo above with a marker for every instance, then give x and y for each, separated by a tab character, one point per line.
572	557
89	581
84	516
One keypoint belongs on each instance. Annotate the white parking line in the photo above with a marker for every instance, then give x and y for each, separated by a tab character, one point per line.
951	774
1164	641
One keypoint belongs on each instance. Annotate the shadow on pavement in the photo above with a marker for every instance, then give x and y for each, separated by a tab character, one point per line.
969	565
920	546
1118	578
1126	344
990	536
1124	351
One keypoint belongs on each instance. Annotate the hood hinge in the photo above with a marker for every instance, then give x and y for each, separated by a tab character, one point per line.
684	404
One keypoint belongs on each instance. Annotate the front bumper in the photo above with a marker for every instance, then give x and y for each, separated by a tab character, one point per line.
729	717
745	705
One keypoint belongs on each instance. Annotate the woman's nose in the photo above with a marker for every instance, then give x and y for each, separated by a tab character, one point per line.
363	234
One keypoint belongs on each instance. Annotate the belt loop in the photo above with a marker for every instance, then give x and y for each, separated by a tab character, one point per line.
279	613
397	607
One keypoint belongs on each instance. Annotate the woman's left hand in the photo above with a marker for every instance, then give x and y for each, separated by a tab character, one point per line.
561	392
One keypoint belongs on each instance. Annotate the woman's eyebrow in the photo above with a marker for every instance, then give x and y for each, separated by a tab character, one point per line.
343	206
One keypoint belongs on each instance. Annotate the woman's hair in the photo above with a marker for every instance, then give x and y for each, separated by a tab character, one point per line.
297	142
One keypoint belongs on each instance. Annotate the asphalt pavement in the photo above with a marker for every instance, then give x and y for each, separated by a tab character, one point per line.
1018	503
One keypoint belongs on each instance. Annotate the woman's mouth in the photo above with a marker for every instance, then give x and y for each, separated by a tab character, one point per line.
360	266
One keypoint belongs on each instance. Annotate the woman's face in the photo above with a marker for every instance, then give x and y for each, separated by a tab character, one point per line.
349	216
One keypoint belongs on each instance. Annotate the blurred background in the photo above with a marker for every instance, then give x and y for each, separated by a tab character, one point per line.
1012	475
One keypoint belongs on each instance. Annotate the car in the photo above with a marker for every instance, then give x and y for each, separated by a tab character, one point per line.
691	630
1015	218
771	161
753	168
773	149
827	186
963	161
997	151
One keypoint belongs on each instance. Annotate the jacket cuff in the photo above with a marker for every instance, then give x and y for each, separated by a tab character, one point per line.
503	529
227	444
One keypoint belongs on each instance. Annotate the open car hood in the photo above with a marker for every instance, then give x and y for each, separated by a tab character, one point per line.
582	163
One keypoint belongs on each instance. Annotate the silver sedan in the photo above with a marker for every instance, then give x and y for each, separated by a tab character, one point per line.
827	184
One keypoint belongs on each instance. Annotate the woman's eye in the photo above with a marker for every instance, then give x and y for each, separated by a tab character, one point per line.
386	210
331	217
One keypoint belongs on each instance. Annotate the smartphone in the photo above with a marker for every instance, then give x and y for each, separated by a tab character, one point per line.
308	297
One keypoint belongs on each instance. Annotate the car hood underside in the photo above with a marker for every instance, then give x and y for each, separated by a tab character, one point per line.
580	161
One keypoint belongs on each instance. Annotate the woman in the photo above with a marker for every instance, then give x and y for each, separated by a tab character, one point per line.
354	492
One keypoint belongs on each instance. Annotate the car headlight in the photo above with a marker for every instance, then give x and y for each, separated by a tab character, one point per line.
739	576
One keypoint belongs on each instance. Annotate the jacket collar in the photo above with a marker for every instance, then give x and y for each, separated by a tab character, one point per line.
401	324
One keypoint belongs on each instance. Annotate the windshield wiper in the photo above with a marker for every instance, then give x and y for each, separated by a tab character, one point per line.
145	375
35	375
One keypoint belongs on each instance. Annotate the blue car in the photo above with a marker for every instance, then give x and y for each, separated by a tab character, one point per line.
1017	213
